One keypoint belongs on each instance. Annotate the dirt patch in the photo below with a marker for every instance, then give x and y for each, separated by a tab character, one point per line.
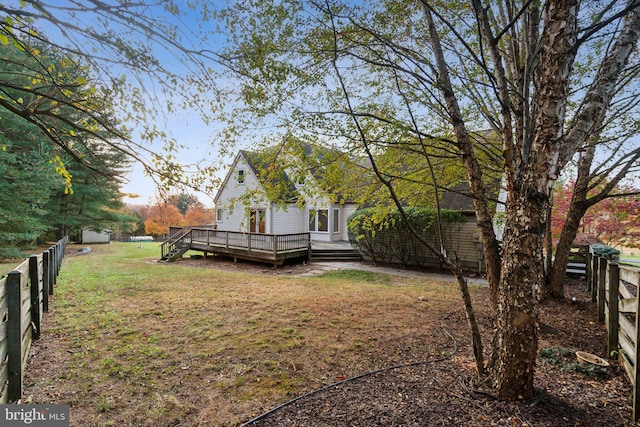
224	263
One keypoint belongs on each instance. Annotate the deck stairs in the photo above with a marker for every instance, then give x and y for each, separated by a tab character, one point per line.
334	254
174	247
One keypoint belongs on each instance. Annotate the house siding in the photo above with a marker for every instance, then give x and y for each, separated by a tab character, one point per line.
462	242
232	203
346	212
230	198
288	219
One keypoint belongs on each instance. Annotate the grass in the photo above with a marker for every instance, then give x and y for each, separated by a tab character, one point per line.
141	343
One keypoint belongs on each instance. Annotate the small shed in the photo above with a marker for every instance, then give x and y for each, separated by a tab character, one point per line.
90	235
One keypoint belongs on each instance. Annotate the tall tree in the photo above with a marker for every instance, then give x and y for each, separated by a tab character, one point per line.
594	184
162	216
148	60
40	172
30	169
96	199
540	77
199	215
183	202
614	220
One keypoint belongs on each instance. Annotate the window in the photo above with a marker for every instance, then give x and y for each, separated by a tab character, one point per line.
257	221
219	215
241	176
336	220
319	220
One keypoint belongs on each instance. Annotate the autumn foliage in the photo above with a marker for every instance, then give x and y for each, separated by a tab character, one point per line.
199	215
614	220
161	216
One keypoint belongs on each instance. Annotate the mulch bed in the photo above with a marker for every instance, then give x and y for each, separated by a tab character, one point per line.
440	393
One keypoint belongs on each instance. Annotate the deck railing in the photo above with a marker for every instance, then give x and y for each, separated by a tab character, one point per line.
176	236
255	242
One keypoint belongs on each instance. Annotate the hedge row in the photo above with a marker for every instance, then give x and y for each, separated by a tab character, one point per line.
382	236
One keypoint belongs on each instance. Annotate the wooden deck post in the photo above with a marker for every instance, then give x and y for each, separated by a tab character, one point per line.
46	260
34	282
602	278
14	336
612	299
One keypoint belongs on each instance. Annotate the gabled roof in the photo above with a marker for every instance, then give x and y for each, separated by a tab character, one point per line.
268	167
269	171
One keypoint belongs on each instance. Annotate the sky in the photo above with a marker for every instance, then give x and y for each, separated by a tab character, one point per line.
197	137
186	127
183	125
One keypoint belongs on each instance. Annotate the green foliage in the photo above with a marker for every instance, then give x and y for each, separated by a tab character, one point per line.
606	251
565	359
382	235
46	186
183	202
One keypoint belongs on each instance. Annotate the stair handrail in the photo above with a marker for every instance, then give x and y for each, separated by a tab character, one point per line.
168	245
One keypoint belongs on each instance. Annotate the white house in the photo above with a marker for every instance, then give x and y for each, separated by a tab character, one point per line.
260	196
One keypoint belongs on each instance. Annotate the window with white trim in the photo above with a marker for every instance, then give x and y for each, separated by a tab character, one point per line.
241	176
336	220
319	220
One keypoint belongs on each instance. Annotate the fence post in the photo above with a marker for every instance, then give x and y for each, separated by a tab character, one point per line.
636	368
58	258
14	336
45	281
613	297
594	279
52	268
602	280
34	282
589	264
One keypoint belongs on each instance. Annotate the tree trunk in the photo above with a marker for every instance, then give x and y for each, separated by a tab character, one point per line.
563	249
548	251
516	340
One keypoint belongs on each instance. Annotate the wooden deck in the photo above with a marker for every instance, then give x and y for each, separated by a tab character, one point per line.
270	248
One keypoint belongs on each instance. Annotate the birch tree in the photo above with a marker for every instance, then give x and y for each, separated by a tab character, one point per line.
539	76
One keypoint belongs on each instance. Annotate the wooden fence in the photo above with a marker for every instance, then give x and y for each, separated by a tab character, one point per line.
615	289
24	297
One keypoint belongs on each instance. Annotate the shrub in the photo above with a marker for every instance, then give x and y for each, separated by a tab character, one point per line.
382	235
602	250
